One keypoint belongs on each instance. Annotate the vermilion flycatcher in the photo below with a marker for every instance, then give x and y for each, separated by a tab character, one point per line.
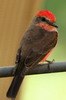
37	43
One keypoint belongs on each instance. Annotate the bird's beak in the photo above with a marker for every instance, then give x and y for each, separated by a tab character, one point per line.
54	24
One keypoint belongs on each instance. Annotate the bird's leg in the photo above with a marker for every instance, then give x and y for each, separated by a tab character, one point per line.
49	62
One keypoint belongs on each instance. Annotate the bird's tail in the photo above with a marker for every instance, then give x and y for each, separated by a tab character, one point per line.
14	87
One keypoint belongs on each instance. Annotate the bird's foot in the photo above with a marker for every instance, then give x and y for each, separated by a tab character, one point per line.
50	62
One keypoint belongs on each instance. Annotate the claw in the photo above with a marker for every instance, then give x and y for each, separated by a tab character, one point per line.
50	62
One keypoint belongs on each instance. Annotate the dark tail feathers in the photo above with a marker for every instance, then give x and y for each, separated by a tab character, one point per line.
14	87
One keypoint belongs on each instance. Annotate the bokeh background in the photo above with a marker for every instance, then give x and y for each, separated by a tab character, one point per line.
15	16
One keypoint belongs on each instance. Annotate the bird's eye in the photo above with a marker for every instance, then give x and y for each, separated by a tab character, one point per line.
43	18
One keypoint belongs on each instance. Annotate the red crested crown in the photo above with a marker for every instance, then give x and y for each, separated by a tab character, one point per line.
47	14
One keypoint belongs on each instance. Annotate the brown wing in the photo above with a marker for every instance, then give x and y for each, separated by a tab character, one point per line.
35	57
35	46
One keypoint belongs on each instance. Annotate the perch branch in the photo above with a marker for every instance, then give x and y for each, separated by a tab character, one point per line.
39	69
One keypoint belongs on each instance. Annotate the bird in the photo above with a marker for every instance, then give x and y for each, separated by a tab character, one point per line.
38	41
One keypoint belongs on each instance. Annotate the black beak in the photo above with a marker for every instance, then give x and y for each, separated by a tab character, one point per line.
54	24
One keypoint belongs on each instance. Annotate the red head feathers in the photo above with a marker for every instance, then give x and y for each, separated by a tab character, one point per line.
47	14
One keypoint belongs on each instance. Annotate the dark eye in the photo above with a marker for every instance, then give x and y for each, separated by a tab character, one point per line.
43	18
